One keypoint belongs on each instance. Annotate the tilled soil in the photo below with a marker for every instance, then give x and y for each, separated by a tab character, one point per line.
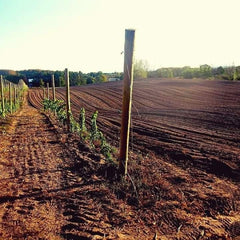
183	180
193	122
45	192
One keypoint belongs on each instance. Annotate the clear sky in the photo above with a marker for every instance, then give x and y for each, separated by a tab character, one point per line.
88	35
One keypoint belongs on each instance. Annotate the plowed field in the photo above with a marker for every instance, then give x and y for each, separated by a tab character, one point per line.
184	166
196	123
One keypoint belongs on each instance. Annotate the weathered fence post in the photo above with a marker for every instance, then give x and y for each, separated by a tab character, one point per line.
53	88
44	93
15	96
48	91
10	96
2	93
67	98
127	100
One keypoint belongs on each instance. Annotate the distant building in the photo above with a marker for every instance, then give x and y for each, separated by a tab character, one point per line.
30	82
113	79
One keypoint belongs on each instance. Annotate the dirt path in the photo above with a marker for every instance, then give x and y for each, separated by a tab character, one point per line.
27	174
44	194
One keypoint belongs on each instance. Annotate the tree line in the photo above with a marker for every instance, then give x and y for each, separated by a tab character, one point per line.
40	78
204	71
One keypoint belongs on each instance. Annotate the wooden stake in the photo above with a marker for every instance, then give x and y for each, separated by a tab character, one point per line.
15	96
47	90
127	100
44	93
53	88
2	93
10	96
67	98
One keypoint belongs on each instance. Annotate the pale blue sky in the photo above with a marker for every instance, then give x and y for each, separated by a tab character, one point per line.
88	35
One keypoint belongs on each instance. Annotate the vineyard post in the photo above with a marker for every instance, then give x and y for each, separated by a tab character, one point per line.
44	94
127	100
2	93
16	93
67	98
10	96
47	90
15	96
53	88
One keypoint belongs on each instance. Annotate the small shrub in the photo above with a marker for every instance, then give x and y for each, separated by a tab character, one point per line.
97	136
94	133
74	125
82	120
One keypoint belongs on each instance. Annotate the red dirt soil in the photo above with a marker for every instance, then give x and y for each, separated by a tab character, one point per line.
49	189
194	122
184	166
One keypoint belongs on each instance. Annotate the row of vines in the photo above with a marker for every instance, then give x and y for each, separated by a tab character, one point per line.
95	136
11	96
90	135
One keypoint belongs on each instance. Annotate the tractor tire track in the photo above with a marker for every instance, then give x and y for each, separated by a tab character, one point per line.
49	189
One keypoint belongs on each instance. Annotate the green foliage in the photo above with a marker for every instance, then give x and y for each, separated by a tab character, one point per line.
204	71
96	135
41	84
165	73
235	74
82	121
39	78
106	149
57	107
188	72
2	112
74	125
140	69
16	106
90	80
11	107
7	110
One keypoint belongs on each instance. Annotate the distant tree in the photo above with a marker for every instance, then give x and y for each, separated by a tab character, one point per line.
14	78
82	78
140	69
41	83
103	78
187	72
220	70
205	71
62	81
237	73
100	77
230	73
90	79
165	73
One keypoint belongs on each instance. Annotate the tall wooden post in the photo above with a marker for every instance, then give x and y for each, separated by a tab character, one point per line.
2	93
47	90
127	100
10	97
53	88
67	98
